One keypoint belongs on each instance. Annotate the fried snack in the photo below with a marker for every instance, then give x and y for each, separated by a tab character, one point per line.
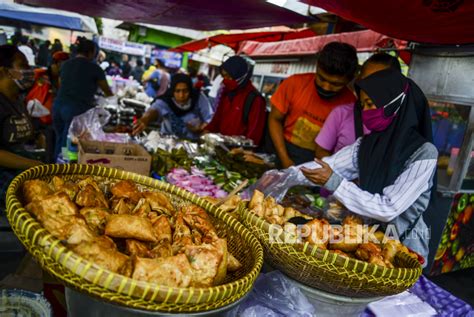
99	252
197	237
199	220
79	232
352	220
135	247
341	253
233	264
95	218
131	227
35	190
205	262
366	250
162	229
347	240
161	250
257	199
289	213
159	202
142	209
318	232
67	187
390	249
126	189
182	235
89	196
121	206
173	271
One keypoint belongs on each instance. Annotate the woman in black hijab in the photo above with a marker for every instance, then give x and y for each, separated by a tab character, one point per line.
395	164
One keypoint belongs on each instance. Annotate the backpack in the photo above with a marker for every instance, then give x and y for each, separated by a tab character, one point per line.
263	147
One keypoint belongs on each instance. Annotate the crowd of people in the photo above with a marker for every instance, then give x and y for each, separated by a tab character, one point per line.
371	124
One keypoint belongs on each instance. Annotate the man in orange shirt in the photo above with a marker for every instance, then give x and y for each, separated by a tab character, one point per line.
302	103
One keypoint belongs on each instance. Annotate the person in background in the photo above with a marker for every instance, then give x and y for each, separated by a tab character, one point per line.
395	164
137	71
158	81
216	91
241	108
33	43
101	60
44	54
27	51
114	69
57	46
73	47
54	70
183	110
147	63
80	77
339	130
16	129
302	103
125	66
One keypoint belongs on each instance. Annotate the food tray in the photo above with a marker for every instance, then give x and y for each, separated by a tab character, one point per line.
89	278
329	271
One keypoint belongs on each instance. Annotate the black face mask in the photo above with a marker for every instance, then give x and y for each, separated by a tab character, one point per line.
325	94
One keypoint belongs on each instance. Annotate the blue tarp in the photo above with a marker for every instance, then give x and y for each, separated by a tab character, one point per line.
55	20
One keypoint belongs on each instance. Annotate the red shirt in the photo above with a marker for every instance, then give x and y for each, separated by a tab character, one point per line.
228	119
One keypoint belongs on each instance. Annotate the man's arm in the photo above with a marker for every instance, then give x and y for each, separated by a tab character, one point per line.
275	125
321	152
104	86
11	160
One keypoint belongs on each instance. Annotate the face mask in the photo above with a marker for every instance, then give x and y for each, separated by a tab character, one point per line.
375	119
27	79
325	94
230	84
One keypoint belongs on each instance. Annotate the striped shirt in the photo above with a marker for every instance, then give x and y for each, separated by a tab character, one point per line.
400	204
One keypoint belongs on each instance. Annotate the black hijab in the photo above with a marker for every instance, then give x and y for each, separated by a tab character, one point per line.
382	155
169	95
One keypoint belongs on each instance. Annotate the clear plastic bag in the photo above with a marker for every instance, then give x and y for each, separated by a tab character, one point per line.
89	125
274	295
276	183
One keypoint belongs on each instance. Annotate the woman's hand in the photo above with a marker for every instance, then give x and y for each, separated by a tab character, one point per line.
139	126
320	175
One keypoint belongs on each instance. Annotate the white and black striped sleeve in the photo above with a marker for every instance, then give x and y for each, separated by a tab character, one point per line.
344	162
395	199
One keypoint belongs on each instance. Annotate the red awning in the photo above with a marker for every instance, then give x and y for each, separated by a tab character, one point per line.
234	39
364	41
424	21
199	15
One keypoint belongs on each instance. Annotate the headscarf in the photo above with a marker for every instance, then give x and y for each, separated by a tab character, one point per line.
382	155
168	97
60	56
238	68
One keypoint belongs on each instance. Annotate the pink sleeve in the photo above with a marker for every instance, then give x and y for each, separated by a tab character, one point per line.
327	136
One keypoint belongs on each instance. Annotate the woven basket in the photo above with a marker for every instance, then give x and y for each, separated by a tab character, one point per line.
329	271
89	278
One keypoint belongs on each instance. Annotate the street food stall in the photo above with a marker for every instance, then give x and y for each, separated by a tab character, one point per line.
441	73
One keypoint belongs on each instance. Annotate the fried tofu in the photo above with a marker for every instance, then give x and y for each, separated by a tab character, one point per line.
159	202
89	196
100	253
126	189
130	227
173	271
35	190
95	217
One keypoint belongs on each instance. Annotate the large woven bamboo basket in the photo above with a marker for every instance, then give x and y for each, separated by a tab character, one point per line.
329	271
89	278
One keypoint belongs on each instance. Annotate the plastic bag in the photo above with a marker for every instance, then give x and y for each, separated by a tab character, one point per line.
274	295
36	109
276	183
89	125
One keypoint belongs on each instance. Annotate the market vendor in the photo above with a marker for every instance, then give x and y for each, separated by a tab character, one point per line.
16	129
302	103
339	129
80	77
395	164
183	111
240	107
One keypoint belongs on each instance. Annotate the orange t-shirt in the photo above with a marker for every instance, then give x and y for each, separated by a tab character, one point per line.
305	112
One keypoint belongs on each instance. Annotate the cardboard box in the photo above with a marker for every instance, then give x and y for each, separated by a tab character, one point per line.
128	157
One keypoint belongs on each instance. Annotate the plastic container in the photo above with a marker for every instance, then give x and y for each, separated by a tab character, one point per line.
331	305
17	302
80	305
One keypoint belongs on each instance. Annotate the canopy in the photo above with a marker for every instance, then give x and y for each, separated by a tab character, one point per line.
363	41
233	40
424	21
23	16
199	15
